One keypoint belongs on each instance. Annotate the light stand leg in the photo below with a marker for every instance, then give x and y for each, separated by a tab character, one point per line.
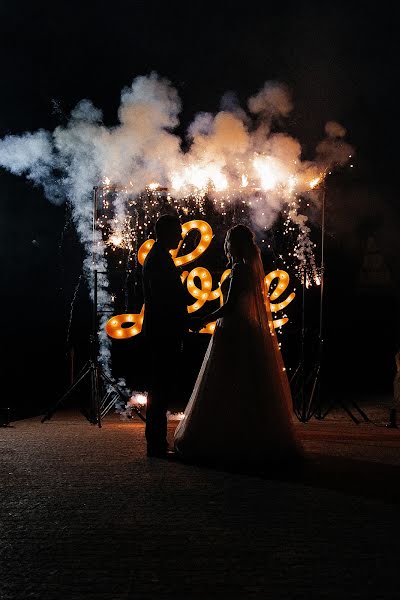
120	394
302	405
348	411
84	372
316	388
95	404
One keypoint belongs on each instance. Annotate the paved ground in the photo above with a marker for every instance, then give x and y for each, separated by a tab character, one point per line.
86	515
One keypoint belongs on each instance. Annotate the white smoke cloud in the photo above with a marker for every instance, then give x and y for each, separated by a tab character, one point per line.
334	130
333	151
271	101
225	148
31	154
86	111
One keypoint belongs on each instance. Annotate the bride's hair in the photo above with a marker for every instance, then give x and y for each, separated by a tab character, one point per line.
240	242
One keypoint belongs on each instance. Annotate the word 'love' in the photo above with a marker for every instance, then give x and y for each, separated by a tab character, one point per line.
199	285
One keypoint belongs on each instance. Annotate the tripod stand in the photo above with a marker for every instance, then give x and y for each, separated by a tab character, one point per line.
311	406
104	393
99	404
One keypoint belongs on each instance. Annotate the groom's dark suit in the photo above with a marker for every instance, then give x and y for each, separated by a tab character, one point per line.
165	322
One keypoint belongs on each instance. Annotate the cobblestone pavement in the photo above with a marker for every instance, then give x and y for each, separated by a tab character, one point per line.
85	515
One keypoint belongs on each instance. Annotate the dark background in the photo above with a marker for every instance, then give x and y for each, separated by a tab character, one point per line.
340	63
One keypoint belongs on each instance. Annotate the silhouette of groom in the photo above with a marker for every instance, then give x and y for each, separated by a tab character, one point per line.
165	323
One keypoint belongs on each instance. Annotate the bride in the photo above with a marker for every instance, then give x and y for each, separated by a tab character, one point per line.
240	409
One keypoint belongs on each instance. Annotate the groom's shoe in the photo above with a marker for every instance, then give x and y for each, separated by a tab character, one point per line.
166	454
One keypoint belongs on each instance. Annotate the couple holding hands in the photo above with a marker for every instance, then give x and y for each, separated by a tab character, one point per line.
240	410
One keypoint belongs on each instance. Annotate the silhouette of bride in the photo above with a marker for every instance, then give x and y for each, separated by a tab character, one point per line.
240	410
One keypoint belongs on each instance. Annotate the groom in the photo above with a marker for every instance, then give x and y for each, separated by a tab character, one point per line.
165	323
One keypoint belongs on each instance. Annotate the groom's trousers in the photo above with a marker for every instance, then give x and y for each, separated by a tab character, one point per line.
164	354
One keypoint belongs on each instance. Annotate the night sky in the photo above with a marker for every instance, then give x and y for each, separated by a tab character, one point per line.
339	62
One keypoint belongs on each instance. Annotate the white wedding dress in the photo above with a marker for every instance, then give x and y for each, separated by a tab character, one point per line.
240	409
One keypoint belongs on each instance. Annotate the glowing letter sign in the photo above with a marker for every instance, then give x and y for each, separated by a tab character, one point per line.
128	325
